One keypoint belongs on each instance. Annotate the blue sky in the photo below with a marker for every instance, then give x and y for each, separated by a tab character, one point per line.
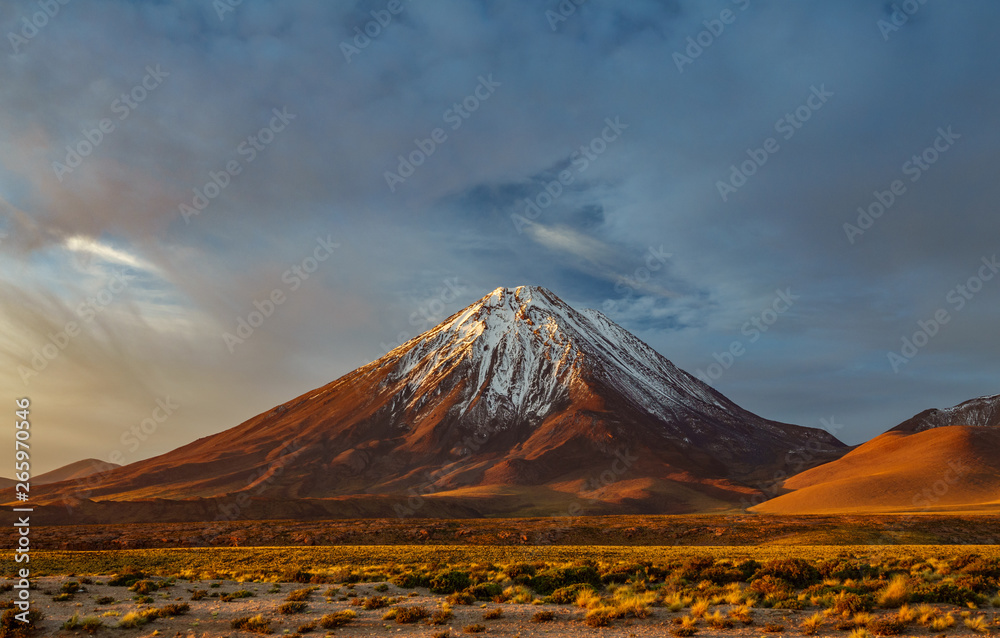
284	123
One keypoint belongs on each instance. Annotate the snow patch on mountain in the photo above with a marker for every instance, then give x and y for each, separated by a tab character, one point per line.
521	349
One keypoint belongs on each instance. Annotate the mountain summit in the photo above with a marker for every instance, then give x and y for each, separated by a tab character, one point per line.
516	404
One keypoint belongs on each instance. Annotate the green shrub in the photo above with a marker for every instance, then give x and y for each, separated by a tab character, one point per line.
450	582
405	615
440	617
144	587
299	594
11	627
693	567
256	624
543	616
409	580
128	578
486	591
795	571
292	607
517	570
338	619
852	603
173	609
773	586
567	595
947	593
548	581
722	574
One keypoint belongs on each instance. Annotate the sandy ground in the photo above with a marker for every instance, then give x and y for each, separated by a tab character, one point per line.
211	617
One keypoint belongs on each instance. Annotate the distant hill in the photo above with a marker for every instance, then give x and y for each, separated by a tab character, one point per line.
71	472
947	468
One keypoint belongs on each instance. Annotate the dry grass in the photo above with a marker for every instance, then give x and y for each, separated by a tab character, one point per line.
896	593
978	624
941	623
811	624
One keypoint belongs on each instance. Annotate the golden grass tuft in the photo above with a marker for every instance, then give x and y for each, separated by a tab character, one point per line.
811	624
896	593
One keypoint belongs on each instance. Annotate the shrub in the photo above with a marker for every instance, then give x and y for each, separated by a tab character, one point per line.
886	626
198	594
543	616
474	629
773	628
723	574
256	624
692	568
337	619
406	615
550	580
843	569
295	575
461	598
450	582
769	585
104	600
135	619
381	587
239	593
376	602
306	628
440	617
292	607
947	593
851	603
796	571
128	578
519	570
173	609
624	573
486	591
144	587
90	624
299	594
568	595
493	614
70	587
683	632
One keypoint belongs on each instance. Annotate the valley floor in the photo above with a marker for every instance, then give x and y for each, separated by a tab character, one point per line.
738	530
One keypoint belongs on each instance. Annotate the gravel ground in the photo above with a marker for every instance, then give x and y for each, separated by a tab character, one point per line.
212	617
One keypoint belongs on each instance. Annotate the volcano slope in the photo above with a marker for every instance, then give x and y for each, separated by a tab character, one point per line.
516	405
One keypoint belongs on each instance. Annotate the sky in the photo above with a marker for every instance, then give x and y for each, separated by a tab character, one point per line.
210	207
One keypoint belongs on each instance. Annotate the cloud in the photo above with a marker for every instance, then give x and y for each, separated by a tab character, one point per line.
654	188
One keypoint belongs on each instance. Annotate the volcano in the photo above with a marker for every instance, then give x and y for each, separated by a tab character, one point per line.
516	405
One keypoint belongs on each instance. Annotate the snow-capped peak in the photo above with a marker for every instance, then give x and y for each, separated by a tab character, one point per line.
520	351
